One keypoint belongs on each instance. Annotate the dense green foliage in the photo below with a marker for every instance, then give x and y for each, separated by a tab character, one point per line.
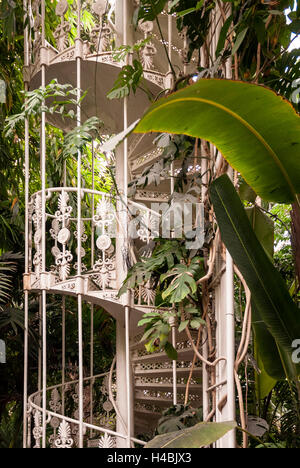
257	37
59	149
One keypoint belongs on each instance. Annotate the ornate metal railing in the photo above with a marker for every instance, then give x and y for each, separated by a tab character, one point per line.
102	224
98	232
100	38
61	416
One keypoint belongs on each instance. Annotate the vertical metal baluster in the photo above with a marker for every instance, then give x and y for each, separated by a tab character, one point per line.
63	363
26	292
172	182
230	348
43	274
40	354
230	318
92	368
127	309
63	332
28	422
78	52
205	385
92	305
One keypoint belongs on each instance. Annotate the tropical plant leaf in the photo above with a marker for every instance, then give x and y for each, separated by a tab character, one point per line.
246	192
268	289
263	227
166	254
59	96
171	351
198	436
77	138
178	417
239	40
7	268
150	9
257	131
264	384
223	35
13	317
183	282
183	325
138	274
129	78
116	140
266	350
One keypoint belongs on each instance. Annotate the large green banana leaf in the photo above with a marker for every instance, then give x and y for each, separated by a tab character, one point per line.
257	131
263	226
201	435
264	384
269	292
266	350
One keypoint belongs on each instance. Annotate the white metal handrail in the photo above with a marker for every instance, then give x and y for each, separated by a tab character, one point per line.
52	414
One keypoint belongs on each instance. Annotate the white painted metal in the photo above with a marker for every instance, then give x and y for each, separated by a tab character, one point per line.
174	342
121	378
25	396
44	378
230	349
205	377
78	49
172	181
26	293
33	406
126	310
221	345
126	22
43	178
40	352
92	366
128	377
226	321
92	305
63	353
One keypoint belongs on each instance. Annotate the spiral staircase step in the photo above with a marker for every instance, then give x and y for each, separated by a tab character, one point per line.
164	402
186	354
166	372
153	376
181	388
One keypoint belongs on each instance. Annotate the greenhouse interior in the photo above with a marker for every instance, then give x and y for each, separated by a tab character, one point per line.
150	225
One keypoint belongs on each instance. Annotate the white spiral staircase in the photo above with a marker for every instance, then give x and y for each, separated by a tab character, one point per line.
153	374
86	232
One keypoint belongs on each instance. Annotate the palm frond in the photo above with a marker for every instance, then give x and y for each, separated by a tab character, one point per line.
8	266
12	316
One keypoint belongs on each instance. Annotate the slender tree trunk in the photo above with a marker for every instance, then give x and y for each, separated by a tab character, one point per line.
295	218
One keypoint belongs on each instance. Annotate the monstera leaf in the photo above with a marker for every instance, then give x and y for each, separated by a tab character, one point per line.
257	131
183	281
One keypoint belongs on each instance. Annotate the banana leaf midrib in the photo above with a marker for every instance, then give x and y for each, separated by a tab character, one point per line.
241	120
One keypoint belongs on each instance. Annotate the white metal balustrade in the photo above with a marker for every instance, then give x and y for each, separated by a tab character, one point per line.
80	242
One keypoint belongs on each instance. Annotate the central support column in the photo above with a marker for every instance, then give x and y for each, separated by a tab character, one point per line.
124	390
124	30
224	296
124	7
